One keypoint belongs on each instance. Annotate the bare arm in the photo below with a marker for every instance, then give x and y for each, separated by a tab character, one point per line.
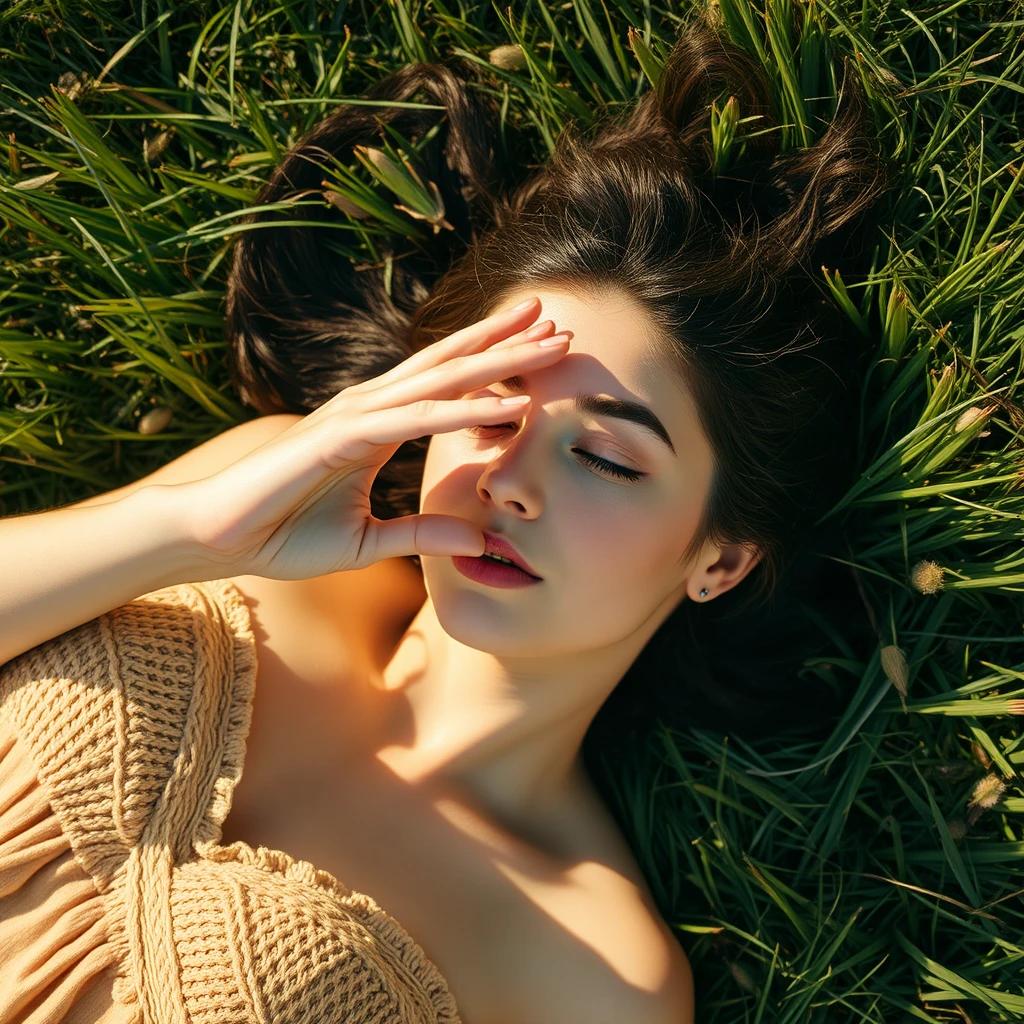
65	566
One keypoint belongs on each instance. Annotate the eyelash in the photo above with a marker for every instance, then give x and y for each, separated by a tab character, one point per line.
611	468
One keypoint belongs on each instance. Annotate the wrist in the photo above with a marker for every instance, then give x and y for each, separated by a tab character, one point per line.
174	553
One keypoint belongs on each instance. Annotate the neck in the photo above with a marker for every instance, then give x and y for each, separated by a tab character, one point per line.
506	733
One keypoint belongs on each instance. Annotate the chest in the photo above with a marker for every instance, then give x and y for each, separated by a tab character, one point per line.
504	921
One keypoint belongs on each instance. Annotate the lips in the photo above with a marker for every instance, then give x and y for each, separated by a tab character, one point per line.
496	545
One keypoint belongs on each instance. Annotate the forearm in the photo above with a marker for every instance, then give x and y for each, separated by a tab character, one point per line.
63	567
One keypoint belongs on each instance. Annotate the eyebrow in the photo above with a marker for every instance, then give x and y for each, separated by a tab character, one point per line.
619	408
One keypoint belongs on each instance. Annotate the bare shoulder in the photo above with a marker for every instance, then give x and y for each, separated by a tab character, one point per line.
600	951
666	995
637	970
646	977
614	960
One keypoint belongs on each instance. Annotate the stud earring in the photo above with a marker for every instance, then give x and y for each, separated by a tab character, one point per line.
703	591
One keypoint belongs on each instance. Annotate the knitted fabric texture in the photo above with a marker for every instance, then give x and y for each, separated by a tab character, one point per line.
135	724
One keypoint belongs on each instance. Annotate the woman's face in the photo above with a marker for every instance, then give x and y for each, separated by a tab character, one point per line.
606	546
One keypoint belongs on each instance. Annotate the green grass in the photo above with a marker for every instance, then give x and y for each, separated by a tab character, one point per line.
874	875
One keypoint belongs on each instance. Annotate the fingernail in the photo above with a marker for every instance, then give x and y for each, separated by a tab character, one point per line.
555	339
517	400
537	329
522	305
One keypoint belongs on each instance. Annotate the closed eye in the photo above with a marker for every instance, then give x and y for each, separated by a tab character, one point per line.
604	465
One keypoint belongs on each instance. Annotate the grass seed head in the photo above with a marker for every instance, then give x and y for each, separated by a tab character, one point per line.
155	420
73	84
987	792
894	665
971	415
980	754
343	203
152	149
509	57
926	577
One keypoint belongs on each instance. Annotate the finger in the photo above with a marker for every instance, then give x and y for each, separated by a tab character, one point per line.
536	332
539	330
422	534
397	424
474	338
465	373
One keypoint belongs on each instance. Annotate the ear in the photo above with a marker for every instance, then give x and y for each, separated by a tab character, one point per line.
720	570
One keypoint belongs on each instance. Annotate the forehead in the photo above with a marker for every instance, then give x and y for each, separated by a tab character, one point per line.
615	351
607	325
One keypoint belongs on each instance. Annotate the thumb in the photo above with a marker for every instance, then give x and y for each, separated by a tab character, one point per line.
424	534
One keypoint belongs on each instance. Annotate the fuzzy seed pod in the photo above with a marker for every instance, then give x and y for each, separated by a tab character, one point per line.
987	792
155	420
894	665
152	149
926	577
509	57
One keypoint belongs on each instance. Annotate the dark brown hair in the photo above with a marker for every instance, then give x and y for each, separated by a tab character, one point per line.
726	265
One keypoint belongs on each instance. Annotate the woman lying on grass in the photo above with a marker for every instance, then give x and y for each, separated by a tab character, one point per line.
681	446
431	655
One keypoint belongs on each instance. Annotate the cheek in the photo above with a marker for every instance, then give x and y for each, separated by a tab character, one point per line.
612	544
429	467
446	475
631	545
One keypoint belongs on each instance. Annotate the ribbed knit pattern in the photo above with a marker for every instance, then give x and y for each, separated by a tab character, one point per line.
135	723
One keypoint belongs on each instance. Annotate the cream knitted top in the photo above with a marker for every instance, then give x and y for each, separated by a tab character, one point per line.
121	742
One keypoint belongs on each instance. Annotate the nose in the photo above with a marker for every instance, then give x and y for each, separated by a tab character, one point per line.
509	480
